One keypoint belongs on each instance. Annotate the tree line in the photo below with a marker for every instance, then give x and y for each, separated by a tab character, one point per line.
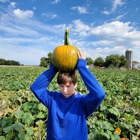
9	62
113	60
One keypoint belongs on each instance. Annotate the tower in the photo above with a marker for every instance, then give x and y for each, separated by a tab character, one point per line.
129	56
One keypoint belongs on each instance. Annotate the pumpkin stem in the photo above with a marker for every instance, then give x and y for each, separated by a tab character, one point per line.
66	37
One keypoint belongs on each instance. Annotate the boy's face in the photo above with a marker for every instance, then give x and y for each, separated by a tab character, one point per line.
67	89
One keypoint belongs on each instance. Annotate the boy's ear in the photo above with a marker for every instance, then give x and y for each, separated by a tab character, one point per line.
76	84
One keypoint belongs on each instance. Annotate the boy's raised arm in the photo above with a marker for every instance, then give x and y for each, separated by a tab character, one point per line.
96	92
42	82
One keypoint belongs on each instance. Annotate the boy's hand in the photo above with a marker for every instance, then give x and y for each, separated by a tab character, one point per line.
80	55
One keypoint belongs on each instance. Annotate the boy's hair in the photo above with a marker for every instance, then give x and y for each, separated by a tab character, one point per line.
67	77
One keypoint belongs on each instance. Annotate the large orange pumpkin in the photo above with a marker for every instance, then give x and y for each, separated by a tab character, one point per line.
65	56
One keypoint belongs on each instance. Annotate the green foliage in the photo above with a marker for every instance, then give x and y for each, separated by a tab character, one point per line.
99	62
45	62
23	117
9	62
112	60
116	61
124	61
89	61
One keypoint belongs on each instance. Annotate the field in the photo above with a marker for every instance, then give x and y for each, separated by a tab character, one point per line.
23	117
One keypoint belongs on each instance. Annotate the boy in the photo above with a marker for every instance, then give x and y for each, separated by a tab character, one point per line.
68	110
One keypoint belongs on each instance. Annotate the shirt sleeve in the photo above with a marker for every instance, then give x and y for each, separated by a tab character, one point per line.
94	98
41	83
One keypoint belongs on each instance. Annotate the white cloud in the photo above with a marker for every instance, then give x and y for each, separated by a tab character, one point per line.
17	30
4	0
111	37
120	16
115	28
4	17
102	43
49	15
103	52
56	1
106	12
28	41
13	4
115	5
61	27
54	16
23	14
34	8
24	55
81	10
79	27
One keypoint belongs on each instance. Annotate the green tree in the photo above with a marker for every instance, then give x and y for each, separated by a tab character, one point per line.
2	61
89	61
49	57
9	62
123	61
112	60
99	62
45	62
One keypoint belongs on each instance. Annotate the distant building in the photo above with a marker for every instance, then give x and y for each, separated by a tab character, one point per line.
129	56
135	65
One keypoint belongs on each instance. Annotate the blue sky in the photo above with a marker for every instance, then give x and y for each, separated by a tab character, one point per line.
30	29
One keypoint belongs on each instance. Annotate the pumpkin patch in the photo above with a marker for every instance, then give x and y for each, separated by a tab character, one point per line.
22	117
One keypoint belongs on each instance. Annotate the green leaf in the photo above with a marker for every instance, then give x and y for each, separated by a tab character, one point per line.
21	135
115	136
2	138
40	123
18	126
8	110
128	127
114	111
3	105
41	107
8	129
9	121
26	106
27	137
129	118
103	108
27	118
106	135
29	130
2	122
104	125
19	113
9	135
136	104
40	115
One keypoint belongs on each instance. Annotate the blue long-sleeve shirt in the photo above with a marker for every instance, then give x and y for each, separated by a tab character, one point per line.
67	116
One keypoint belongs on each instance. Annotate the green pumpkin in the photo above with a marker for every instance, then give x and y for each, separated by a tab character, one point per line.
65	56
